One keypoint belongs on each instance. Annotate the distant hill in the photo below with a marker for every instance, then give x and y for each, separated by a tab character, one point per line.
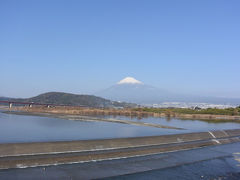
72	99
3	98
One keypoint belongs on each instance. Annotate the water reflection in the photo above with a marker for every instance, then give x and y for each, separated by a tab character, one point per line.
237	157
22	128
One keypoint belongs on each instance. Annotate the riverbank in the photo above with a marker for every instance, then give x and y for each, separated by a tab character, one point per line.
19	155
193	164
139	113
90	118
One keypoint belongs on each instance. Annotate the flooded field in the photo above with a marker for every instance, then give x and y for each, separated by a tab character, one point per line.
29	128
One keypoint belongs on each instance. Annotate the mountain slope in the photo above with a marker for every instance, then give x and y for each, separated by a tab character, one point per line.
72	99
132	90
137	93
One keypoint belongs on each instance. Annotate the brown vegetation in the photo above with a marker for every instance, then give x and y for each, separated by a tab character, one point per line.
139	113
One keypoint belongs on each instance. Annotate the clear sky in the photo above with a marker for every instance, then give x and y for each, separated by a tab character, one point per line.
190	46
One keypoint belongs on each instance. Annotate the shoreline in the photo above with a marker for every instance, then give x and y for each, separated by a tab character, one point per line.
89	118
123	112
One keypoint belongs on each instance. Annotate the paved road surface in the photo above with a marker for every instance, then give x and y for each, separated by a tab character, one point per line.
213	162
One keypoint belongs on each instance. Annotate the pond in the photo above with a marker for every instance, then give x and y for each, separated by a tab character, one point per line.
25	128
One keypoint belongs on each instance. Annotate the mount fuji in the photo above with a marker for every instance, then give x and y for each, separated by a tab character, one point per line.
131	90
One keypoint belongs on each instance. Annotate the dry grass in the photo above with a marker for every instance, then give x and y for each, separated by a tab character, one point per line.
125	112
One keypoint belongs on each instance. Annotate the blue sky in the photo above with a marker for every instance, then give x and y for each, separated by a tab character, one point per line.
85	46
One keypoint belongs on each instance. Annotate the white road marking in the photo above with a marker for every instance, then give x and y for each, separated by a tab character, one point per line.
216	141
99	160
225	133
101	149
212	134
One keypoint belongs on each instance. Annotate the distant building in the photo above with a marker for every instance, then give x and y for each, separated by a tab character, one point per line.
197	108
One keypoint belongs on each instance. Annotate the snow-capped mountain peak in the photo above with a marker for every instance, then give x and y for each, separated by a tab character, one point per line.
131	90
129	80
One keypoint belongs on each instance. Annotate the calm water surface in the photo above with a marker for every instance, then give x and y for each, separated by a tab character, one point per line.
21	128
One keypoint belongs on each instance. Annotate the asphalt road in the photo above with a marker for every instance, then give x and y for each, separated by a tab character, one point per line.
212	162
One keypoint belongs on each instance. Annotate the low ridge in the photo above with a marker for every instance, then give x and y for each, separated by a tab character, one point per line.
73	99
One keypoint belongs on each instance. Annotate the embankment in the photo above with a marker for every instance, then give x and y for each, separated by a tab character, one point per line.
125	112
19	155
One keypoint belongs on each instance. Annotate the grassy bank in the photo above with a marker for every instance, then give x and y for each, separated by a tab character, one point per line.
210	111
211	114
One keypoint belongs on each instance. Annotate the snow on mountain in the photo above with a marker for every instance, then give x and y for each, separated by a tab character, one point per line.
129	80
131	90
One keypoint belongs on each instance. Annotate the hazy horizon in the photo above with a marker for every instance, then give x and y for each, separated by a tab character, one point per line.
81	47
118	83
